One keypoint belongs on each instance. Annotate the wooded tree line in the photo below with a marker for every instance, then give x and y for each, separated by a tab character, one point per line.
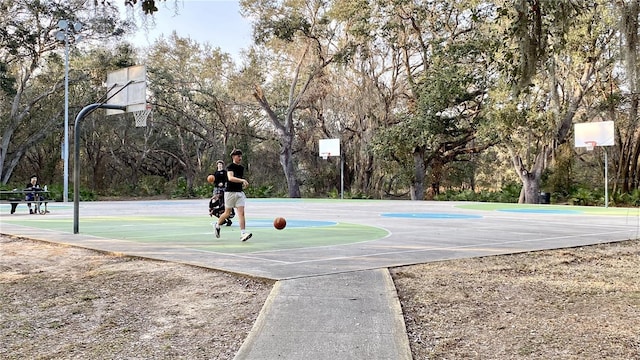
424	96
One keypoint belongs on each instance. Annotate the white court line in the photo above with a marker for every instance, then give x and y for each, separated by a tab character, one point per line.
559	222
490	245
241	256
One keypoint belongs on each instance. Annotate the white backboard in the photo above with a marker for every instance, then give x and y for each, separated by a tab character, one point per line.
329	147
134	95
602	132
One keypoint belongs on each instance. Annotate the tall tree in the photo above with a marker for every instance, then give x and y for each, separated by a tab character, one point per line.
365	94
444	97
194	109
628	168
26	38
300	42
559	48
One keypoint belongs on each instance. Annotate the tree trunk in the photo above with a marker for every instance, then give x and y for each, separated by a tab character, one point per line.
530	193
437	167
286	132
530	188
630	180
417	186
286	160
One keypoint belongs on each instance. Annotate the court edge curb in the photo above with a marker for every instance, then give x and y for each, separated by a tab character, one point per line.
249	341
400	329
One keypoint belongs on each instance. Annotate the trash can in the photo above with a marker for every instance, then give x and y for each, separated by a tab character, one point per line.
545	198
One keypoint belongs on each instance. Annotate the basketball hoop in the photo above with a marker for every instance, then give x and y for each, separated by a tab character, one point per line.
142	115
590	145
325	156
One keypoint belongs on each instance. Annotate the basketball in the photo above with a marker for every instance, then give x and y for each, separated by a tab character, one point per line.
211	179
279	223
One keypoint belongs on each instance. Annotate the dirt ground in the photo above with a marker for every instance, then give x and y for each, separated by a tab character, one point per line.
580	303
59	302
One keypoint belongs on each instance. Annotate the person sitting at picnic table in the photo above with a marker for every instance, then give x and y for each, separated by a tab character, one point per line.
31	196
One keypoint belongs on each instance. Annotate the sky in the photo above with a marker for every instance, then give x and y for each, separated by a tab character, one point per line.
217	22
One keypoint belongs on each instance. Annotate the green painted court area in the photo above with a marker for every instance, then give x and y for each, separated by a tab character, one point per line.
197	233
558	209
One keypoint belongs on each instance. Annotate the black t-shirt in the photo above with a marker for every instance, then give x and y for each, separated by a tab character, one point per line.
35	187
221	178
238	171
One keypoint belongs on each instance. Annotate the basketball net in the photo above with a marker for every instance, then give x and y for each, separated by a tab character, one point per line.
590	145
325	156
142	115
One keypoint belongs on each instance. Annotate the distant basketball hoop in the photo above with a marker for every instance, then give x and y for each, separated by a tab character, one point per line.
598	133
142	116
331	147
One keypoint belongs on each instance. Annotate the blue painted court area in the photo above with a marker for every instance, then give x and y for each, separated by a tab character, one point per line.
541	211
261	223
430	216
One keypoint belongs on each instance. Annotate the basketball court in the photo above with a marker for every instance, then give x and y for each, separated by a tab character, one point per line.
323	236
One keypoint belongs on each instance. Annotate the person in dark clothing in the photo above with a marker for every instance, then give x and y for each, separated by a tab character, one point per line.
234	196
34	186
216	203
220	175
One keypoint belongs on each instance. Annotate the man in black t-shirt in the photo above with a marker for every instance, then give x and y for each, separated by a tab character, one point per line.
220	175
234	196
33	186
216	203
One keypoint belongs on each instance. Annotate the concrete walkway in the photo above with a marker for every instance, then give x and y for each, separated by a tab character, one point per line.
353	315
338	301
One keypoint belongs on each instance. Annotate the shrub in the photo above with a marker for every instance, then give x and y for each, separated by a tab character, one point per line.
151	185
508	194
264	191
583	197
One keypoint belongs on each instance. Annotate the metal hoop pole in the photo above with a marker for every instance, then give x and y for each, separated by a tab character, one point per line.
65	191
76	158
606	180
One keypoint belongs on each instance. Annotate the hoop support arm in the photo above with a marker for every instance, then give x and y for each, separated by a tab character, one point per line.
76	156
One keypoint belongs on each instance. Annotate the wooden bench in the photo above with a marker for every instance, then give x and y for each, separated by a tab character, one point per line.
15	197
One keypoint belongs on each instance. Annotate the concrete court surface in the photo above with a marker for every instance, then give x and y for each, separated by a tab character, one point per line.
396	232
334	298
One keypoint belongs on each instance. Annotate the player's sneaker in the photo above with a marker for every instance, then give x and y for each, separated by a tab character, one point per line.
245	236
216	229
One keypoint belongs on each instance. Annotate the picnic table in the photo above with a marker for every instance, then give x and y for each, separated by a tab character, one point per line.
16	196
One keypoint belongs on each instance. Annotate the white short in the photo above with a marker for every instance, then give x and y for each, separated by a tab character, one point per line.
234	199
